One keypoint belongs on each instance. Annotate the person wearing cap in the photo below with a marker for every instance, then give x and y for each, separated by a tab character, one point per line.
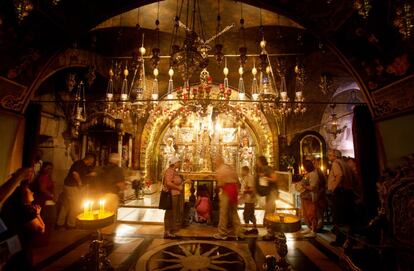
112	182
174	183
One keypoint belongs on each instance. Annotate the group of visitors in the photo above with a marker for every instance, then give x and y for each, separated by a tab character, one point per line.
29	201
229	196
24	212
341	189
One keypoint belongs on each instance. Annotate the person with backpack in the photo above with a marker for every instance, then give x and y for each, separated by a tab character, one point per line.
340	184
265	179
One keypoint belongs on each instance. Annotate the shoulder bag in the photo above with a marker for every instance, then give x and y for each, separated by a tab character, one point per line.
165	197
262	190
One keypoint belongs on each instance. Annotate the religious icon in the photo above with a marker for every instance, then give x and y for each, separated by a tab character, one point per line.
206	152
310	148
246	153
170	150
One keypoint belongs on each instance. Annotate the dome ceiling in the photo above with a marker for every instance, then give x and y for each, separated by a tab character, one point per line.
230	12
368	52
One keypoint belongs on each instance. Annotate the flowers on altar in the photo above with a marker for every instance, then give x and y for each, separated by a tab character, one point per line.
287	160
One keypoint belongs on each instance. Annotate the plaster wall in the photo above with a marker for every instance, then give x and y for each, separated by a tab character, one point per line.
55	148
397	137
11	130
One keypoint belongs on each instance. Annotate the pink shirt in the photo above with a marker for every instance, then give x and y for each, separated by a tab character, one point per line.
172	177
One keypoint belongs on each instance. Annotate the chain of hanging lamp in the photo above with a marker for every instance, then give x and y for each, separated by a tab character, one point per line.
192	56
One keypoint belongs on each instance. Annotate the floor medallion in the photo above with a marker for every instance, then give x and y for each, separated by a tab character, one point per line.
196	255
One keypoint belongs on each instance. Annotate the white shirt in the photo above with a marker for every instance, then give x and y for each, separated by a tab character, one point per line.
248	181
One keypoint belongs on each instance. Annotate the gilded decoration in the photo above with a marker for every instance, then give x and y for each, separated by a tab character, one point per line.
13	94
394	99
196	137
377	51
401	202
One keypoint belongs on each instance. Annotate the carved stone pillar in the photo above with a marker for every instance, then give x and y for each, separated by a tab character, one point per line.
84	145
120	137
130	151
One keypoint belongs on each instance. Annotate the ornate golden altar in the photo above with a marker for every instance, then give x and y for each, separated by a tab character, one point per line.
199	176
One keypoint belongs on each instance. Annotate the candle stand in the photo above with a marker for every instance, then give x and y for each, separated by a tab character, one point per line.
97	258
281	223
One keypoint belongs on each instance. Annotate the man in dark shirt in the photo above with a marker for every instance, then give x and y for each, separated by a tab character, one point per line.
74	181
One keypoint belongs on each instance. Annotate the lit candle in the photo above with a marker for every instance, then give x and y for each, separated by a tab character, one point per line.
322	168
85	208
91	209
101	206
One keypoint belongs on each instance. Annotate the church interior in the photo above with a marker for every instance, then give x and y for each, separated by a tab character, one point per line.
300	111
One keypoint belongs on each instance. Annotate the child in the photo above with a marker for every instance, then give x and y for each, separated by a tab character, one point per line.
203	205
249	196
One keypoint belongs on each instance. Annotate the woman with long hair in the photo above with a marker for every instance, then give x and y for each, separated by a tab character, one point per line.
44	196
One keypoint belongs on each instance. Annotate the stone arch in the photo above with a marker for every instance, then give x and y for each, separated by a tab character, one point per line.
62	60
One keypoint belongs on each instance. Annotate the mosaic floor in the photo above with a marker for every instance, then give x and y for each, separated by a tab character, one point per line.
142	247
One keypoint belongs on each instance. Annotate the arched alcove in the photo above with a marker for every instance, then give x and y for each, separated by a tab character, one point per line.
226	124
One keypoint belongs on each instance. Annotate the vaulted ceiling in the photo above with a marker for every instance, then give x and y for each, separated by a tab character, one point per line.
369	52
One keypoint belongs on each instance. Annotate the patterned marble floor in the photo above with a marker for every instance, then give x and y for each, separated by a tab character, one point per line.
196	240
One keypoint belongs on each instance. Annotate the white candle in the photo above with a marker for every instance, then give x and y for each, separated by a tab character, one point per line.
91	208
85	208
101	206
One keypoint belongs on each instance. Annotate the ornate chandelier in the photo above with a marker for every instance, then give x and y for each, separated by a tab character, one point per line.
333	126
192	57
79	109
125	96
124	100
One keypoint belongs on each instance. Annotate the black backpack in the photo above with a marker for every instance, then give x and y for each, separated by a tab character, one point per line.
261	190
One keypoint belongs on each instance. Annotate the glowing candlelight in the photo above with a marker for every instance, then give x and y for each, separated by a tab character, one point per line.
322	168
101	206
91	208
85	208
